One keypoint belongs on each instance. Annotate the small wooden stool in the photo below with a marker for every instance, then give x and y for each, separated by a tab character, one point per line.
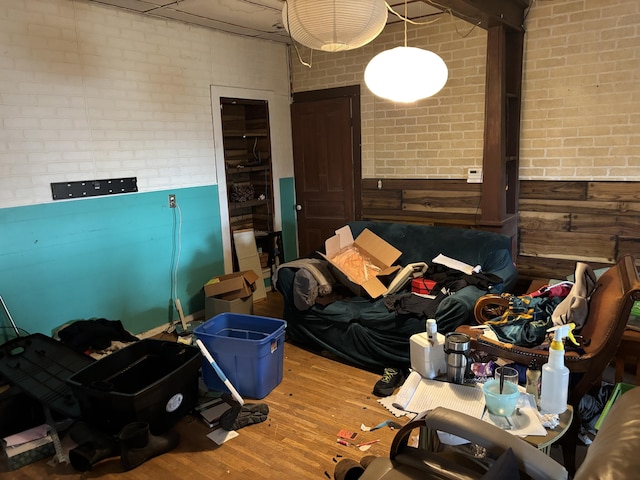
629	348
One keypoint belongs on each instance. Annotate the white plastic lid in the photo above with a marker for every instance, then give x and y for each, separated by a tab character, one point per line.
432	327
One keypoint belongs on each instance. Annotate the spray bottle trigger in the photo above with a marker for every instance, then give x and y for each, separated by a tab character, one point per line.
564	331
570	335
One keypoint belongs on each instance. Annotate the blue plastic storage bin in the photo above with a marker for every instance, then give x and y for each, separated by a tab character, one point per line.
249	349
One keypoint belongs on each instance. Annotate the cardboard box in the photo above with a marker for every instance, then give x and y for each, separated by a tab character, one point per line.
379	253
214	306
231	286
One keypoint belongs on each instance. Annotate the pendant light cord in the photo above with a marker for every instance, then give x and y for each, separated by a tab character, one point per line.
405	23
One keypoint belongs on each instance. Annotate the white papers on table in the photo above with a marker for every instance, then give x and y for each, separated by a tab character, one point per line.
457	264
421	394
522	425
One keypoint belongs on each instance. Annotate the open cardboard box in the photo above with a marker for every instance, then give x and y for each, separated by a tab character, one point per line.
214	306
379	253
231	286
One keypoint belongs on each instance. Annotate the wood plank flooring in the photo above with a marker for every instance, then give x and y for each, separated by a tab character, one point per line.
317	397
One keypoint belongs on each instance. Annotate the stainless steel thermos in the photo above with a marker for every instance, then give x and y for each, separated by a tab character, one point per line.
456	348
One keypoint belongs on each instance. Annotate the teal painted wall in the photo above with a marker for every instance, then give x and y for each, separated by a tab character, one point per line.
110	257
289	223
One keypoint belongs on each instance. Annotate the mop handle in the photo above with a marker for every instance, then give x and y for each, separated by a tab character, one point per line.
220	373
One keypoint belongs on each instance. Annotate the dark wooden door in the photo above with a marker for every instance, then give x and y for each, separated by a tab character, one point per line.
326	152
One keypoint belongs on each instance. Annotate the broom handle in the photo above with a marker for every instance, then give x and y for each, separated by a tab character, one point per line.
220	373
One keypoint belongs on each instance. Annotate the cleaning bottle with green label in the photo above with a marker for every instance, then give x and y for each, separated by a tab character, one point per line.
555	375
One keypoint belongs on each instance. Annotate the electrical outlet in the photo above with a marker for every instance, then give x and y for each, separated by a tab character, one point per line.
172	200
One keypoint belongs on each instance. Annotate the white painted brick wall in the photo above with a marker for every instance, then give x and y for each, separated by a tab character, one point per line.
581	96
90	92
581	91
423	139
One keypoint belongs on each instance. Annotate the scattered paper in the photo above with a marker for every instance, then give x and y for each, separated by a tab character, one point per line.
220	435
419	394
386	423
549	420
29	435
457	264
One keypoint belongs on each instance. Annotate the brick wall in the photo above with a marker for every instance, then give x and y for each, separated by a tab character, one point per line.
419	139
581	93
91	92
581	96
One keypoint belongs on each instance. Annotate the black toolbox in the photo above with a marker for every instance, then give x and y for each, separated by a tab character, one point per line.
154	381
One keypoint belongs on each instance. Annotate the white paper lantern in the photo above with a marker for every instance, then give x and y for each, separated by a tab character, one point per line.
406	74
334	25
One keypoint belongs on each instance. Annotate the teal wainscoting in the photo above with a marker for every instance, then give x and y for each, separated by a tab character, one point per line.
109	257
289	223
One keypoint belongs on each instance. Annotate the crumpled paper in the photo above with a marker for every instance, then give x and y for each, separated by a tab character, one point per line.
549	420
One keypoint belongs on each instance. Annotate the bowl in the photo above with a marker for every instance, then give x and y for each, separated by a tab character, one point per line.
504	403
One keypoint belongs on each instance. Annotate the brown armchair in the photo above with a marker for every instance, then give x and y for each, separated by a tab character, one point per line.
609	309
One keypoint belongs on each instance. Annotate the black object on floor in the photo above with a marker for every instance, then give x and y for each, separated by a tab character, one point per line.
93	446
348	469
391	379
240	416
94	334
153	381
138	444
40	366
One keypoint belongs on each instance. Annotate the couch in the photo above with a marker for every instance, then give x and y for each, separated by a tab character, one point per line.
363	331
612	455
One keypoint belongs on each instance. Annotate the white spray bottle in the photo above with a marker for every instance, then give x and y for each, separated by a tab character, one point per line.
555	375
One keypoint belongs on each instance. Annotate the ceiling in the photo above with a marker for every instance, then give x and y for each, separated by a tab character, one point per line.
252	18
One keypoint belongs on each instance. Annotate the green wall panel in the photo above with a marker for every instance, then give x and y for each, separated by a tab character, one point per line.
289	223
109	257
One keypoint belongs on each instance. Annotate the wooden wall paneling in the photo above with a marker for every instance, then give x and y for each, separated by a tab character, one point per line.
559	222
444	218
544	221
568	245
591	207
549	268
441	201
606	224
629	245
377	217
386	199
614	191
546	268
551	189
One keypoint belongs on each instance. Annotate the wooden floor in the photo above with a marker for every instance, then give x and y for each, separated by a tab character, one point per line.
316	398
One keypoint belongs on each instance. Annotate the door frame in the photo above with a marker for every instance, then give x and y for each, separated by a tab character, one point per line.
222	91
353	92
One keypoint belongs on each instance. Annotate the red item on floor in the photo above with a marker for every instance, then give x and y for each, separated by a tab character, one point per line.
422	285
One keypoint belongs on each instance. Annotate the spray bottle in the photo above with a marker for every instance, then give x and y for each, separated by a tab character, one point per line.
427	351
555	375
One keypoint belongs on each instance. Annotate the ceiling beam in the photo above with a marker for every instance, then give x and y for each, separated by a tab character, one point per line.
489	13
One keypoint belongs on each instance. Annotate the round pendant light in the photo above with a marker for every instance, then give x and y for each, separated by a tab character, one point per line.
334	25
406	74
